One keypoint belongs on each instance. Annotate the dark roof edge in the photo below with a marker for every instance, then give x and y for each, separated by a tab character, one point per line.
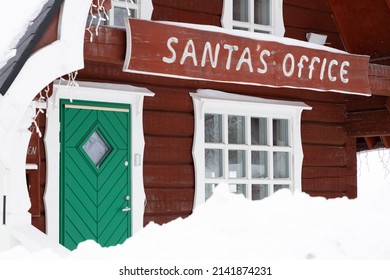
27	44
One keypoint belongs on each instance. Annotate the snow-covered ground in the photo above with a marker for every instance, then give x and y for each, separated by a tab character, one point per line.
231	229
283	226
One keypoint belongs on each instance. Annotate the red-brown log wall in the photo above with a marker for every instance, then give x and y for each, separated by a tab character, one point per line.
304	16
329	167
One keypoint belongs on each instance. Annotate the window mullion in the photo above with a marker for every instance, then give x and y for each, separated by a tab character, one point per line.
251	12
270	155
225	135
248	156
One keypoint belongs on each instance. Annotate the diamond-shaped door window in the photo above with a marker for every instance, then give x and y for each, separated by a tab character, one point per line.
96	148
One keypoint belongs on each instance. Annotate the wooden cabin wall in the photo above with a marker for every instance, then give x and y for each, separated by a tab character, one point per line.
303	16
168	166
329	166
188	11
368	120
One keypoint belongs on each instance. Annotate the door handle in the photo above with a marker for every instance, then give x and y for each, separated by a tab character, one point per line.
126	209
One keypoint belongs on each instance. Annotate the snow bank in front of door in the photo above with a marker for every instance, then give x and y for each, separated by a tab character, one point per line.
283	226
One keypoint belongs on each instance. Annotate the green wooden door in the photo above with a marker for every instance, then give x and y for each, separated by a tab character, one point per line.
95	177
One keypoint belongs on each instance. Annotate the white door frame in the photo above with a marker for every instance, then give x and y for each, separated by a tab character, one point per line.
102	92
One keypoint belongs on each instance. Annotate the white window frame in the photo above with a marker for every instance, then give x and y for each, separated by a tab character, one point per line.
217	102
276	26
143	8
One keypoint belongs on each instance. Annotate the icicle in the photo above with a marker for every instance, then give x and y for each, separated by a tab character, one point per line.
72	79
102	16
127	6
91	21
385	163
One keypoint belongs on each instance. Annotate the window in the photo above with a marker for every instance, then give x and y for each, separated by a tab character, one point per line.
121	9
260	16
252	144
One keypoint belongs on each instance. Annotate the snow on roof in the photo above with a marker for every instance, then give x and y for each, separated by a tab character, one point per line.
17	17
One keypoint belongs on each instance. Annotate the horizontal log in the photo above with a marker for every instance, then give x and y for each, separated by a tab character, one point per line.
199	6
315	133
368	129
364	103
169	201
169	99
312	5
376	116
162	219
174	176
161	13
324	156
302	17
345	185
327	194
168	124
167	150
108	46
379	77
326	172
324	112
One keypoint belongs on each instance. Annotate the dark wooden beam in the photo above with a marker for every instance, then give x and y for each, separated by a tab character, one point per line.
379	77
388	102
371	142
386	141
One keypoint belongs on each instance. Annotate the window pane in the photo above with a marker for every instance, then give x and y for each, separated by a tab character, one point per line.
259	191
121	13
240	28
281	165
237	164
96	148
258	131
240	10
259	164
213	128
279	187
238	188
209	190
280	132
262	31
262	12
213	163
236	128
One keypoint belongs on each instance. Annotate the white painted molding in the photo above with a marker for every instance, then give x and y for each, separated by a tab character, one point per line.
227	14
146	7
102	92
277	21
47	64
